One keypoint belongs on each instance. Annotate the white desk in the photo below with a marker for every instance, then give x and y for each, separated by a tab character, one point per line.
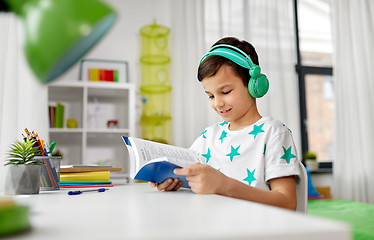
137	211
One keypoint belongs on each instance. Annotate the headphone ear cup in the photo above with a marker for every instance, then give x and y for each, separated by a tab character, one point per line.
255	71
258	86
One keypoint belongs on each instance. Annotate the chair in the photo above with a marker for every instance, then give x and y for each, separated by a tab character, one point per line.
302	190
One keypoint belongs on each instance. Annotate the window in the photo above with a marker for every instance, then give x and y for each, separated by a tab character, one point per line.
314	49
319	97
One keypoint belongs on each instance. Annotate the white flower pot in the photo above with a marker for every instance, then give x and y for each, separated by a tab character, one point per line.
22	179
312	164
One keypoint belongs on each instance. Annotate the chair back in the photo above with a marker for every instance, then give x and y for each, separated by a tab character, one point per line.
302	190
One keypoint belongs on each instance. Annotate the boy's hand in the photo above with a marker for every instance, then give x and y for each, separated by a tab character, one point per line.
203	179
168	185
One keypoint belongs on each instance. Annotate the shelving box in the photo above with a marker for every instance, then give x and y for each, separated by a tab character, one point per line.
93	104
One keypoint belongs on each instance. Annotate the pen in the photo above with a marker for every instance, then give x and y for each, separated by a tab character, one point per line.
46	150
92	190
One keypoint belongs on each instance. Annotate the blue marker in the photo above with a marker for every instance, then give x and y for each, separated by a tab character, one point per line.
92	190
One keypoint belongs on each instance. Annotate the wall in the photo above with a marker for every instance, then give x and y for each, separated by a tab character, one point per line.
123	41
322	180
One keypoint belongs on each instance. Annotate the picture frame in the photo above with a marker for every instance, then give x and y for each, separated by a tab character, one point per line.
100	70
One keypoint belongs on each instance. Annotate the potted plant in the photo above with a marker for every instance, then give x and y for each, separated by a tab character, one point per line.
311	160
23	176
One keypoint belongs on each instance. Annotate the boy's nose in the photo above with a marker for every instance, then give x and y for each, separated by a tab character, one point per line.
219	102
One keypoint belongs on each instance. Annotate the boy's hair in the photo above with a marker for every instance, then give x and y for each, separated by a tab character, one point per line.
210	65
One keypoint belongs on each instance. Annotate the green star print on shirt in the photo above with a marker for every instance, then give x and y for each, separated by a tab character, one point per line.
223	135
250	178
287	154
203	134
223	123
207	155
233	153
256	130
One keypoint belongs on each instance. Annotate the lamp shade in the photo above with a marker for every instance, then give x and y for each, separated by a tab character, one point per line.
57	33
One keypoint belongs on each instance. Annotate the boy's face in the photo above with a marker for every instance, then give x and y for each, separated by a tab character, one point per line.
230	98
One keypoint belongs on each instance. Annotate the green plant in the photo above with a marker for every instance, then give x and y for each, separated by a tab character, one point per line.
57	153
310	155
22	153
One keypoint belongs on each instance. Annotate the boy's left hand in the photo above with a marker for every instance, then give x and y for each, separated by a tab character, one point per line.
202	179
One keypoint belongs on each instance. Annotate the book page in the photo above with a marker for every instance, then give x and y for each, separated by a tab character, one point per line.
148	150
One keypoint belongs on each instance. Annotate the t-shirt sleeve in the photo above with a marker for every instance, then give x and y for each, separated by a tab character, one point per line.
281	157
197	147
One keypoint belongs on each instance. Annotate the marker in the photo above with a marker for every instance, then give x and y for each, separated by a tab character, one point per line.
52	146
92	190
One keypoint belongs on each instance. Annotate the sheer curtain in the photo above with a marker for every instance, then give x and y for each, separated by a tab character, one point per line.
22	98
191	111
268	25
353	35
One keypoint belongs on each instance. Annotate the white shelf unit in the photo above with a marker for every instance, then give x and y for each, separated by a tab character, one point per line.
92	104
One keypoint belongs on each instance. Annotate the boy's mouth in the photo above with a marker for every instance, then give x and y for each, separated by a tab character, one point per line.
224	112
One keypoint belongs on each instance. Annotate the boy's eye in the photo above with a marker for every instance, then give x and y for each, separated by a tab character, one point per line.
227	92
210	97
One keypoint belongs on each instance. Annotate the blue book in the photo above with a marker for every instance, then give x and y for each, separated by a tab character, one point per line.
155	162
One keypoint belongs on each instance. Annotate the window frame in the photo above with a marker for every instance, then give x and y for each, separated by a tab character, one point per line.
302	71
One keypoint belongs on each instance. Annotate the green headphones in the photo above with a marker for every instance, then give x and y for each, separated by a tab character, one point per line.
258	84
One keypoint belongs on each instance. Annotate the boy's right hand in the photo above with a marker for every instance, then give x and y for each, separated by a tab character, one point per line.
168	185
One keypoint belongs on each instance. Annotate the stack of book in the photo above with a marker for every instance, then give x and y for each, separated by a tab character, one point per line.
56	115
79	176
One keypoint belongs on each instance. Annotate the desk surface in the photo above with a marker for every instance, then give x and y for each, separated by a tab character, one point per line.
137	211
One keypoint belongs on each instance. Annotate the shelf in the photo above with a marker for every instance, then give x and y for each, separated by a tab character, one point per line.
80	130
122	130
102	85
93	104
65	130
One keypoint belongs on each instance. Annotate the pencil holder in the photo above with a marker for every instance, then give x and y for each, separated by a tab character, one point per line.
49	173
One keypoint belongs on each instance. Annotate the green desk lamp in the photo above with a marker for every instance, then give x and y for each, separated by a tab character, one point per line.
57	33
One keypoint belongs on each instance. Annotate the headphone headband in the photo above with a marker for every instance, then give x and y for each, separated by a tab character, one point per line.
230	52
258	84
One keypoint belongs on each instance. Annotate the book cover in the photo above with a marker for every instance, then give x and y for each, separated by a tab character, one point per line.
86	176
88	186
85	182
51	111
59	115
155	162
87	168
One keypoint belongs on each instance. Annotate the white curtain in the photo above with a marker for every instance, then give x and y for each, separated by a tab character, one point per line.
353	37
22	98
191	110
268	25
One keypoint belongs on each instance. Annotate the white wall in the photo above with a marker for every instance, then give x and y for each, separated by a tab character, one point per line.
123	40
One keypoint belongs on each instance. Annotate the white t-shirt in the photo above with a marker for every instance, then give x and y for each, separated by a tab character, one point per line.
252	155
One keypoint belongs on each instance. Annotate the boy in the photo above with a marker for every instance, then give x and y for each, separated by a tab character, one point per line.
247	156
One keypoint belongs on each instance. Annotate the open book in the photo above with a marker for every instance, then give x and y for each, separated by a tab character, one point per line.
155	162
